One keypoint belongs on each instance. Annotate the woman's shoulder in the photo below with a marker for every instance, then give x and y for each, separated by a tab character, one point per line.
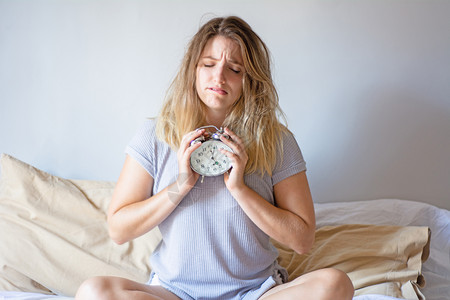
288	146
286	136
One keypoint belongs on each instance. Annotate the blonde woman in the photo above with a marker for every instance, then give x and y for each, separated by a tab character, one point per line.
217	230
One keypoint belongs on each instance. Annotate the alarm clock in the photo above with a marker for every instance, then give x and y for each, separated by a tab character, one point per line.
207	160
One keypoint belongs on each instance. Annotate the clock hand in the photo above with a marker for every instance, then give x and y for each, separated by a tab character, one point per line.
213	153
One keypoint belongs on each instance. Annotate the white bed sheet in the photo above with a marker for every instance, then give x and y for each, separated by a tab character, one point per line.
381	212
30	296
34	296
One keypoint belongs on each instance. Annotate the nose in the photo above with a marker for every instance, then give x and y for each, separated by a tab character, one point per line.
219	75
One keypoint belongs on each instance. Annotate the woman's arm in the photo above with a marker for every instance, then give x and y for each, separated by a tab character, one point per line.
134	210
292	220
294	196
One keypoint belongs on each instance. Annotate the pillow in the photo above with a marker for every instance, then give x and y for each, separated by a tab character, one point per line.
378	259
54	233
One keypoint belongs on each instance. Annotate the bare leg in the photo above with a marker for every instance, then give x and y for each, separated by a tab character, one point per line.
111	288
324	284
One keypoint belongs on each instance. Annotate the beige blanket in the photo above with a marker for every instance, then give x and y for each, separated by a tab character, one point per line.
379	259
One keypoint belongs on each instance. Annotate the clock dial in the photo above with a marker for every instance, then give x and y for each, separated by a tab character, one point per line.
207	160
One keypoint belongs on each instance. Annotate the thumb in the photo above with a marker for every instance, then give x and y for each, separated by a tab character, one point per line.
226	175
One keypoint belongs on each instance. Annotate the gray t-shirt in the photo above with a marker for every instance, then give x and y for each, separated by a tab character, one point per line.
210	248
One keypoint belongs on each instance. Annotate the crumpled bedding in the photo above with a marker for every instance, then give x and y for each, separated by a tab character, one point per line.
436	268
64	221
379	259
35	296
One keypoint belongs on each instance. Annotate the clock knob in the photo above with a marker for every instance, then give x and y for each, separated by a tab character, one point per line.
217	135
200	139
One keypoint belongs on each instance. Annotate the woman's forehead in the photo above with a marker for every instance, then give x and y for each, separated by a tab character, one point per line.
218	46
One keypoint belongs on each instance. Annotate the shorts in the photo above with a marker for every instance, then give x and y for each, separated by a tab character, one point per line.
154	280
276	279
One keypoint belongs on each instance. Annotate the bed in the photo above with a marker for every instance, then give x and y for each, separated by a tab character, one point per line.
54	235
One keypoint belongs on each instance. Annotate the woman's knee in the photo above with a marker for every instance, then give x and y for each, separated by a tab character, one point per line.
338	282
95	288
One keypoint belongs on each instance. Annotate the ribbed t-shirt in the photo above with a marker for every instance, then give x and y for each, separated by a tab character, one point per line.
210	249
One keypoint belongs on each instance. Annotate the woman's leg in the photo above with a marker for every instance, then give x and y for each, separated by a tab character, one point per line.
111	288
324	284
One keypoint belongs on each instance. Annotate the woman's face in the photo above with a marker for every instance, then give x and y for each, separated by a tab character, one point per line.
219	76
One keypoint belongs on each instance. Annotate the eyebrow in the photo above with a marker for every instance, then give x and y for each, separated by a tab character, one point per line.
216	59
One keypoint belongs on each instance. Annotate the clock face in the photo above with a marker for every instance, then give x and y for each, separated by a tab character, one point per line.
207	160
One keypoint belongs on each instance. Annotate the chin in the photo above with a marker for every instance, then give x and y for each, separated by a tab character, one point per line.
217	106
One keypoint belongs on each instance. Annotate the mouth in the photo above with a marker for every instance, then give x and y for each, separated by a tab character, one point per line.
218	90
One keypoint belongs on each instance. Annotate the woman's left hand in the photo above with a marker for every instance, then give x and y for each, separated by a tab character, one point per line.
234	178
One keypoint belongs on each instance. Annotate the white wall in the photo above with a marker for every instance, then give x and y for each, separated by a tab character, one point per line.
365	85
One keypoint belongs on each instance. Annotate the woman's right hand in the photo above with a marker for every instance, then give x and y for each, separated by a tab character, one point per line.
134	210
186	176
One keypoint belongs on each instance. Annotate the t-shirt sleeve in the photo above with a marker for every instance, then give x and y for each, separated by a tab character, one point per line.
291	162
142	146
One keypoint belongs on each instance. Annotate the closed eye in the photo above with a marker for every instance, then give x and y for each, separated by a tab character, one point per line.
236	71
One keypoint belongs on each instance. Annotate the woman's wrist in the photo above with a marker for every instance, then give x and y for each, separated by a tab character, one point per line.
239	191
181	187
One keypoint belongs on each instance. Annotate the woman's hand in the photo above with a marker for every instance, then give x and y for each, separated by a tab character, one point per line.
234	178
186	176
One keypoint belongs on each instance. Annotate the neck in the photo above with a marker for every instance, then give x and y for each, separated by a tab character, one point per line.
215	119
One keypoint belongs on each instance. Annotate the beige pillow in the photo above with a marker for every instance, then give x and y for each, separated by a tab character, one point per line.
54	234
378	259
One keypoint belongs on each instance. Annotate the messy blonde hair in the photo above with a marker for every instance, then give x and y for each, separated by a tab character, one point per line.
254	116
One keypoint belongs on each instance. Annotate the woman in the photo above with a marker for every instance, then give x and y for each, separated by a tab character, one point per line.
216	231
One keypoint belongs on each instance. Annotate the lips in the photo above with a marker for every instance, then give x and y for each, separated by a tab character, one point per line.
218	90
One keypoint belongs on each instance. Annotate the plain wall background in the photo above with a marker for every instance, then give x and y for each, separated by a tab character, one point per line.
365	85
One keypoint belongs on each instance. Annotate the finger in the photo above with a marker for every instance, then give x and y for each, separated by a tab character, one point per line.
238	157
233	156
237	148
226	175
227	153
233	136
189	150
193	134
184	156
189	137
234	139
